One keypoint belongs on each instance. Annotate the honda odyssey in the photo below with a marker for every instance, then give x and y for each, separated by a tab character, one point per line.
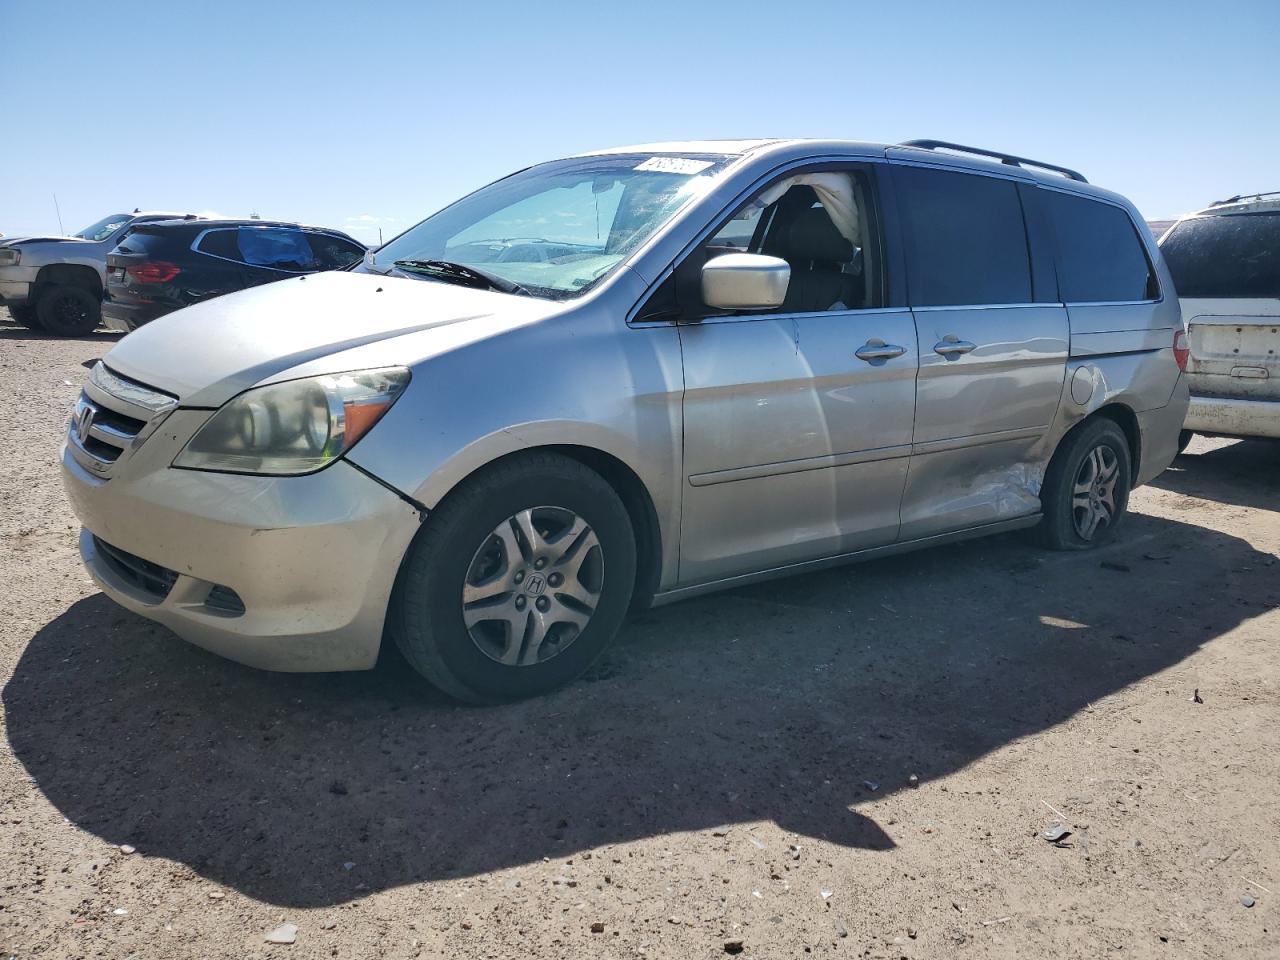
622	379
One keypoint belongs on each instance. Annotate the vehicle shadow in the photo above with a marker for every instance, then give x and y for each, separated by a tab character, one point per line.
11	330
775	702
1246	474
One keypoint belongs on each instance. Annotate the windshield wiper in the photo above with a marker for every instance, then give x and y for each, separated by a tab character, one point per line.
461	273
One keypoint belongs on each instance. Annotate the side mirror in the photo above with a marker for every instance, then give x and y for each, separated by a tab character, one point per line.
745	281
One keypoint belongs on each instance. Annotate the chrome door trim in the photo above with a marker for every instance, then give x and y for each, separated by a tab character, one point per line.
853	314
858	556
985	306
799	466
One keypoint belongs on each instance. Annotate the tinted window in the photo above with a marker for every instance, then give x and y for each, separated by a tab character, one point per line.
966	240
334	253
1231	255
1100	258
277	247
220	243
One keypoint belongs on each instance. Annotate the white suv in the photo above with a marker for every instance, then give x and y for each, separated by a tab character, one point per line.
1225	262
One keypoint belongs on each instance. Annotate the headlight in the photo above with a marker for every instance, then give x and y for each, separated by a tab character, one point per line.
293	427
10	256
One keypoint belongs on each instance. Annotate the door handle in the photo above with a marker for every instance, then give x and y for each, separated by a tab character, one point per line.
877	349
952	346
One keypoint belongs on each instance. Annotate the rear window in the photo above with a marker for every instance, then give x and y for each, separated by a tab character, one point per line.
966	238
1100	257
1232	255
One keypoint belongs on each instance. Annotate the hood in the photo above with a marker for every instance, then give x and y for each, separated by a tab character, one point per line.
15	241
308	326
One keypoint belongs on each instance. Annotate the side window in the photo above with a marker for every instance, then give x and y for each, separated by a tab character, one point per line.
824	225
220	243
276	248
1100	258
334	253
965	238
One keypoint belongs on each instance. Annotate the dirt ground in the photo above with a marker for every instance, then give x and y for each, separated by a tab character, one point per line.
739	768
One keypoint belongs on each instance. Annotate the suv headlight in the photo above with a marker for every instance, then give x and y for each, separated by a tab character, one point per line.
293	427
10	256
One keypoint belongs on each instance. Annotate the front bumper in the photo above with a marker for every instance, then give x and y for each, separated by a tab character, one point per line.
14	293
1234	418
312	558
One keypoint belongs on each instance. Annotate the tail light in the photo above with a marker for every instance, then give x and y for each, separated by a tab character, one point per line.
1181	349
153	271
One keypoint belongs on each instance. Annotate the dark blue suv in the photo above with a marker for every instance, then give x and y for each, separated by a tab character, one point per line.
161	267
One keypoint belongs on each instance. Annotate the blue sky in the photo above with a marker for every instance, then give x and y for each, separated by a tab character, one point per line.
373	115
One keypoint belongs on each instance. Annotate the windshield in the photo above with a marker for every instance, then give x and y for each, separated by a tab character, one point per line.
557	229
1230	255
105	227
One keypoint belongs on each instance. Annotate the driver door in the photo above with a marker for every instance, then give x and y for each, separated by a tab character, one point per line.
798	420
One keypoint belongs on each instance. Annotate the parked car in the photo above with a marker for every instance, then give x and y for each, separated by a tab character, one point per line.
627	378
164	266
55	283
1225	262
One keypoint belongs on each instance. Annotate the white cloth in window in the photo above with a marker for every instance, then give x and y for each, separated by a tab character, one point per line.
835	190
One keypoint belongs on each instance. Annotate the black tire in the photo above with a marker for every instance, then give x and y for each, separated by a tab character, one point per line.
67	311
1059	528
25	315
1184	440
426	618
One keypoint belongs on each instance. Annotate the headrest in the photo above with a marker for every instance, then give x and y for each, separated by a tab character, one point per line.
814	237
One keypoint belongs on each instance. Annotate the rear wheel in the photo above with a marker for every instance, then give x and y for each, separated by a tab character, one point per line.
68	311
1086	488
518	582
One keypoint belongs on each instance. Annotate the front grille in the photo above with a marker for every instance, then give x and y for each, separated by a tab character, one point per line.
150	578
112	417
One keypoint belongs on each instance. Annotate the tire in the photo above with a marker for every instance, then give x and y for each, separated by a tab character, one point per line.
67	311
1096	448
26	316
1184	441
473	542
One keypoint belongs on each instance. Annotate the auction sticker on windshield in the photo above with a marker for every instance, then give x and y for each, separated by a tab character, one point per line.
673	165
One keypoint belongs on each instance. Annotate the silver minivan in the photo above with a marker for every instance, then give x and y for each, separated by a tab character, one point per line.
622	379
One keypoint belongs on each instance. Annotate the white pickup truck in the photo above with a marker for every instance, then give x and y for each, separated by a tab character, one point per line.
55	284
1225	262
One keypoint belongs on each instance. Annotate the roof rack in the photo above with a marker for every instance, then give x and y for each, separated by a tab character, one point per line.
1245	196
1006	158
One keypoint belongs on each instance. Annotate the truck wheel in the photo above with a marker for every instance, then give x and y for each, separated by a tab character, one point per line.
1086	488
67	311
26	316
517	582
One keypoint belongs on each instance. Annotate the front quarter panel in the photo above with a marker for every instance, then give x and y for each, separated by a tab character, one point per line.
578	378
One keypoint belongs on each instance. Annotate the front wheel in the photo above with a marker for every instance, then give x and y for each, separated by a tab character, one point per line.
1086	488
517	582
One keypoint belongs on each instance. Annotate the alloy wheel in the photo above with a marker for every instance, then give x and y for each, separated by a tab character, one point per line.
1093	494
532	586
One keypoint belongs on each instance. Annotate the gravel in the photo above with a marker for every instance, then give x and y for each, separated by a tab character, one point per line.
978	683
